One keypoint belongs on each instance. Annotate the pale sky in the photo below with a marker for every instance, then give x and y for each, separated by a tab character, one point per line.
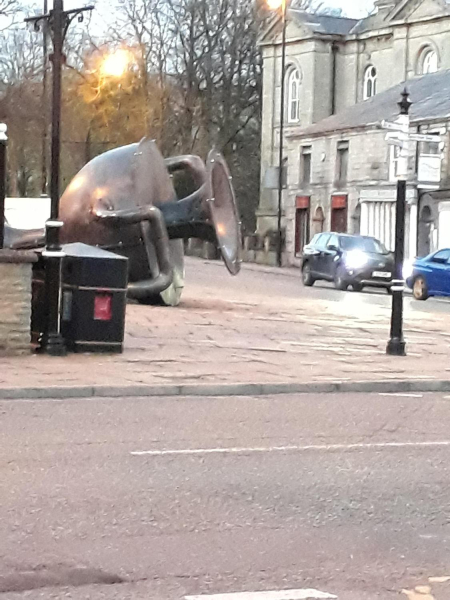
352	8
100	17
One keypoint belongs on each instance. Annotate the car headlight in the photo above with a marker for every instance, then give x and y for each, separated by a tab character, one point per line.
355	259
408	268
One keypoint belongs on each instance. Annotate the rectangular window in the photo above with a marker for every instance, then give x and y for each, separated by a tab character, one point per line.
429	148
305	165
429	164
342	162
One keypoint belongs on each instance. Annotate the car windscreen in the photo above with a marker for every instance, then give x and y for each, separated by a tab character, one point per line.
364	244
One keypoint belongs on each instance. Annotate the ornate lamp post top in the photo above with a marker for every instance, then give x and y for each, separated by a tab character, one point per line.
405	103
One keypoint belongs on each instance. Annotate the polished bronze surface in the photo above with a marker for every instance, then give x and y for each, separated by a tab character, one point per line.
126	201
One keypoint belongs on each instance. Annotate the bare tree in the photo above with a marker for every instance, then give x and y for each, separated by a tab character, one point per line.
20	76
20	57
145	26
195	82
10	11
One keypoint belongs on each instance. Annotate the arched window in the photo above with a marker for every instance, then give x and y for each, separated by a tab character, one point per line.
428	61
293	96
370	82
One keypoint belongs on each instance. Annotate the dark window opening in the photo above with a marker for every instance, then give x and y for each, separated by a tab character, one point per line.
305	165
342	162
301	229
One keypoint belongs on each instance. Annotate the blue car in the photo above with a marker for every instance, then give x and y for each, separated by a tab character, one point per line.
430	276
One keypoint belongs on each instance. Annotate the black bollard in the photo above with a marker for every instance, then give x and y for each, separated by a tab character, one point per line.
51	341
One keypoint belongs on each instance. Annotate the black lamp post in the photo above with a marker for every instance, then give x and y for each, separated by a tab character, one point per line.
44	106
281	149
57	21
396	344
3	144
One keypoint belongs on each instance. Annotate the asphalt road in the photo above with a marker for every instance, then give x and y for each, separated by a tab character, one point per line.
251	284
347	495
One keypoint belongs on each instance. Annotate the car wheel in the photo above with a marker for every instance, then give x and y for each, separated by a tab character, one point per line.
357	287
339	280
307	277
420	289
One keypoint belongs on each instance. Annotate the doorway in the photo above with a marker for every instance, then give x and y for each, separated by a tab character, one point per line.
426	233
339	214
301	229
301	223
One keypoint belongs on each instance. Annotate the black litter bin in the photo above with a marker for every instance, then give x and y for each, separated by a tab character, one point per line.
93	300
94	296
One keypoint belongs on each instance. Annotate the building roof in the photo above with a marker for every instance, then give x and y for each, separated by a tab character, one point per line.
326	24
430	95
333	25
380	19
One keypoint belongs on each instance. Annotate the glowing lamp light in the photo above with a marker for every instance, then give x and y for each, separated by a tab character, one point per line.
116	64
274	4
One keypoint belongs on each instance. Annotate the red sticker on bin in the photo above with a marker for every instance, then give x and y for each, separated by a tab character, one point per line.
103	307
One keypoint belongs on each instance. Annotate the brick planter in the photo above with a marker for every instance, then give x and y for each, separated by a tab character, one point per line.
15	301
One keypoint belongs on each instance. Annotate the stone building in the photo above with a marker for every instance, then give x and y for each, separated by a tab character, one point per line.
342	78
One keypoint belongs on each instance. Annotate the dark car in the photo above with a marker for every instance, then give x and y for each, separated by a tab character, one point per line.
346	260
430	276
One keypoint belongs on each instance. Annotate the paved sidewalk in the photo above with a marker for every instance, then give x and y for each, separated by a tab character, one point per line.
235	336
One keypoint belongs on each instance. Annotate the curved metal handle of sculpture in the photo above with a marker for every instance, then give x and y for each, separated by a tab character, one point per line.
141	289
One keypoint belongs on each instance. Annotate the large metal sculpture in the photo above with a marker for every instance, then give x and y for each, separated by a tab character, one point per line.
126	201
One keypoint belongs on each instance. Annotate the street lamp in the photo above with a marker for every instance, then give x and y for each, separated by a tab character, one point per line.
57	21
116	64
280	5
104	67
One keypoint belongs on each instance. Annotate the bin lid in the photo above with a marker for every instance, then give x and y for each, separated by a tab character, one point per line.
78	249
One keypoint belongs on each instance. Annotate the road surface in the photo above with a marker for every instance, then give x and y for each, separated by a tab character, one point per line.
286	285
162	499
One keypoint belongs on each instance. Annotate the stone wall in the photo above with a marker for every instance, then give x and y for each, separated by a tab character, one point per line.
257	249
15	301
201	249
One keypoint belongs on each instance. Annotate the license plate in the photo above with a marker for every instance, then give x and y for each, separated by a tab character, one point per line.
381	274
